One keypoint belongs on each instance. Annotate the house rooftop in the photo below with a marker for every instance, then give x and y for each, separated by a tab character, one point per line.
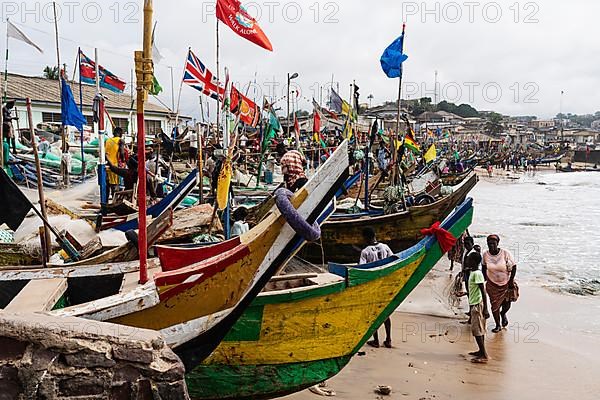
47	91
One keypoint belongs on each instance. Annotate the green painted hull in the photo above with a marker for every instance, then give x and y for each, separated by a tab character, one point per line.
259	381
231	381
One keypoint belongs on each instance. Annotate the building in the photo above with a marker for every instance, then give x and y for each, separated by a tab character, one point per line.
542	124
46	107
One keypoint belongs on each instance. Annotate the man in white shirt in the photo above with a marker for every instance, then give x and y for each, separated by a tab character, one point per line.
193	150
376	251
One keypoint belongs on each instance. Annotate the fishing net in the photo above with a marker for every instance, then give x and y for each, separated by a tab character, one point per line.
453	289
393	199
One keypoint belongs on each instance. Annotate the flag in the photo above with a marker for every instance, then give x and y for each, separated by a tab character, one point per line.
316	123
70	113
317	117
156	88
431	154
336	102
16	33
235	16
410	142
245	108
223	184
200	78
393	57
15	205
108	80
156	56
296	126
348	131
272	128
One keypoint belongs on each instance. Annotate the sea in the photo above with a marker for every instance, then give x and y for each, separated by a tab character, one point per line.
549	221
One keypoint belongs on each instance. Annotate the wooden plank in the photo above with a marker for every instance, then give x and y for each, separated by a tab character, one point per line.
38	295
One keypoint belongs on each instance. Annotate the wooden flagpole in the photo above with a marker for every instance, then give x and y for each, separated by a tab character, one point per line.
63	164
396	167
144	70
40	183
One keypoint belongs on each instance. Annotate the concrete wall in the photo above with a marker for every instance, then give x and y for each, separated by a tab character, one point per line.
46	357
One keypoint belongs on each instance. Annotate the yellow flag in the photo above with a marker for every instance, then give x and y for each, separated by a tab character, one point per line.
345	107
431	154
348	131
223	184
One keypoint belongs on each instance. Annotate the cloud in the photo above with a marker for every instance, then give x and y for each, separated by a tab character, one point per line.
530	51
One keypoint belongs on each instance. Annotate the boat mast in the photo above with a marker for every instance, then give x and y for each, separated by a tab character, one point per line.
144	72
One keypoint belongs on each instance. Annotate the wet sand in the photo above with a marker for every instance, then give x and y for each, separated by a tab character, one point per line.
548	352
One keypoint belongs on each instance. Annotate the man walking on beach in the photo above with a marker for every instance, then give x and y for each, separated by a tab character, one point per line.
376	251
478	305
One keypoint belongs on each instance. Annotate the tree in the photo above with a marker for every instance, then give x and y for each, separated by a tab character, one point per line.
494	124
51	73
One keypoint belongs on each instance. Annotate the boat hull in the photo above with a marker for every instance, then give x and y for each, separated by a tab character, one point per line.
342	239
289	340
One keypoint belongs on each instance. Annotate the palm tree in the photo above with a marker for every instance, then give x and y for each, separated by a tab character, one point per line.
51	73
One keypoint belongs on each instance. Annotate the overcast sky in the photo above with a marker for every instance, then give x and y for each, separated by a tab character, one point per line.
512	57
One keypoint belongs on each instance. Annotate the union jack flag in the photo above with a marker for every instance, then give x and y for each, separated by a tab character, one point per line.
200	78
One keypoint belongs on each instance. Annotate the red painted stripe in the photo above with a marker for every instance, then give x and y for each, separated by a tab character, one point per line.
207	268
174	258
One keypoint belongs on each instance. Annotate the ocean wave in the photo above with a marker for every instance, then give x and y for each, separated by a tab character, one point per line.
583	288
540	224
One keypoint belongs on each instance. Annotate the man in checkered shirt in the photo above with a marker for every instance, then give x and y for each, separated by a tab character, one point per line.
292	166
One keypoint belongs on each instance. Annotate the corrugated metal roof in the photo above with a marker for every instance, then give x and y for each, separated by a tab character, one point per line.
42	90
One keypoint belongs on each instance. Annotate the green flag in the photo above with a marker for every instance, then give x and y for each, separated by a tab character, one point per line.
156	88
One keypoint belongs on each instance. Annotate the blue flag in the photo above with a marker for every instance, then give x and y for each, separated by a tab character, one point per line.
71	115
393	57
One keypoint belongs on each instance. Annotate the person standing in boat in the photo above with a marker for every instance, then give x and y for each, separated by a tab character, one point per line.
293	164
115	151
376	251
499	270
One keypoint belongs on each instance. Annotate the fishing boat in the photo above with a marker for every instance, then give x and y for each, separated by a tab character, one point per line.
128	222
195	306
455	179
342	234
304	329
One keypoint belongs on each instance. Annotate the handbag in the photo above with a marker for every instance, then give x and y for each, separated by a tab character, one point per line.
512	295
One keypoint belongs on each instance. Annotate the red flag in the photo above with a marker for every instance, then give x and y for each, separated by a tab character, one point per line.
296	125
232	14
244	107
316	122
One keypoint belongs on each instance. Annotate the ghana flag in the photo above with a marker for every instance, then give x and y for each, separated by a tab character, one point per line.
410	142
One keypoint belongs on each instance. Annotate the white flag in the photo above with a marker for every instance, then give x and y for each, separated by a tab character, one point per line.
16	33
156	56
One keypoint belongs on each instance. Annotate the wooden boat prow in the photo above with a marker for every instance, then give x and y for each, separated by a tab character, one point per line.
294	337
198	303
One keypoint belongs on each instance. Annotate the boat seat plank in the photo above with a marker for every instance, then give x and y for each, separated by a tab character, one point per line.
131	280
38	295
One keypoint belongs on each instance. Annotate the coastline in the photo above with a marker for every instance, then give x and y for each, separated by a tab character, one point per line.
550	351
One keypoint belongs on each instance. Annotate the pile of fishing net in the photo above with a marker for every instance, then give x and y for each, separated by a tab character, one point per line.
392	195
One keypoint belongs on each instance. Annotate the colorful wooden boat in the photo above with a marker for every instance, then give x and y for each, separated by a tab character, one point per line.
195	306
302	330
455	179
174	198
342	235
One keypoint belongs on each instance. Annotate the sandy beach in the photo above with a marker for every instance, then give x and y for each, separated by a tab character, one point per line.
548	352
